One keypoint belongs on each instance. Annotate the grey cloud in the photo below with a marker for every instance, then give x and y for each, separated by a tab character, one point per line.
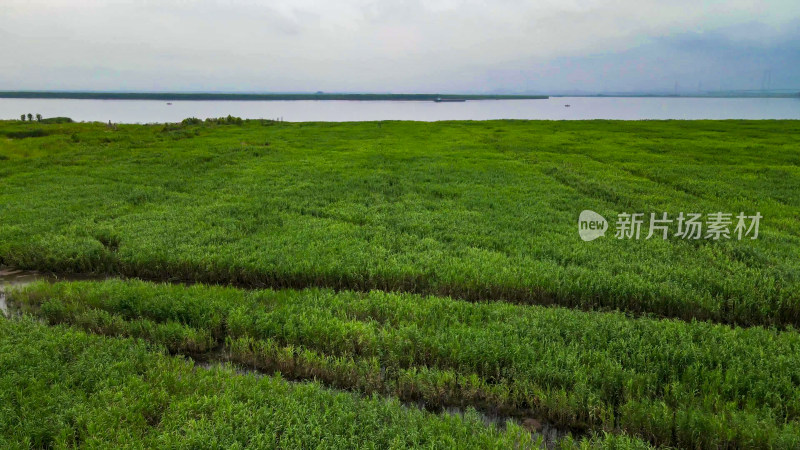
395	45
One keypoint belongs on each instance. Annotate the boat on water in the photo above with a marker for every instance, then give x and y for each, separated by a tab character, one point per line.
448	100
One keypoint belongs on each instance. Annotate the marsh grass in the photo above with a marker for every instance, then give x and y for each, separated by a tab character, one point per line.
665	381
62	388
472	210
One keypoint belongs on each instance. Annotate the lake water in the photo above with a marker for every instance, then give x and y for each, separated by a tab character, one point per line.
581	108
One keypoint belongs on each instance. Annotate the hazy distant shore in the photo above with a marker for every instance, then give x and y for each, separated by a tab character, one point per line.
178	96
168	96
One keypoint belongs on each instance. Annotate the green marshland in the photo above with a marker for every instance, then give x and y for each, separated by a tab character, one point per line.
423	262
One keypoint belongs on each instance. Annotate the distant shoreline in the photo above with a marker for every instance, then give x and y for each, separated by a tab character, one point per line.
189	96
175	96
708	95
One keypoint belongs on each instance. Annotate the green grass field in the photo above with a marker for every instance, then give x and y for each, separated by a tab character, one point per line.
480	211
495	304
62	388
676	383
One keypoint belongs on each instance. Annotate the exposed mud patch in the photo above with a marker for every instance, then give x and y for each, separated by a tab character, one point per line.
10	278
3	304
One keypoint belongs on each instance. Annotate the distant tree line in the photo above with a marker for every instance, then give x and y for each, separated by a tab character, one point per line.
30	117
230	120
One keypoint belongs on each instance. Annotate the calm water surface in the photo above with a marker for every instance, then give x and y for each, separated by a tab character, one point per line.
580	108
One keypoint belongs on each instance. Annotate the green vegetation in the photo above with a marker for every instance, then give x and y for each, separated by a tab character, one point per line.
233	96
22	134
62	388
472	210
56	120
40	119
669	382
472	225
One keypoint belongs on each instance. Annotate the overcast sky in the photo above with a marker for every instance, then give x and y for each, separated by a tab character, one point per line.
399	46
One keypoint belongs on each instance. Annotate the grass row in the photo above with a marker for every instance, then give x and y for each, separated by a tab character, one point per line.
63	388
478	211
669	382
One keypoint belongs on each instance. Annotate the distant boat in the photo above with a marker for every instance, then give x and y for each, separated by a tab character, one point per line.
448	100
566	106
168	103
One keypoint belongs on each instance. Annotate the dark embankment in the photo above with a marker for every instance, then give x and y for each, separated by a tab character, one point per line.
184	96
